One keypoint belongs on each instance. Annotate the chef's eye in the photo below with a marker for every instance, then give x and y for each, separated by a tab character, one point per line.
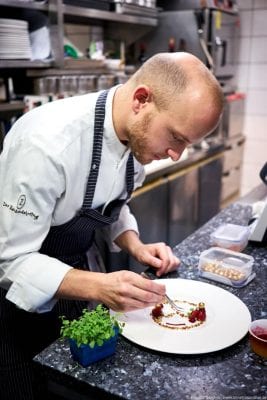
177	140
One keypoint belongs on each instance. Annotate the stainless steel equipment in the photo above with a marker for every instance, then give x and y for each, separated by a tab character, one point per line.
206	29
232	132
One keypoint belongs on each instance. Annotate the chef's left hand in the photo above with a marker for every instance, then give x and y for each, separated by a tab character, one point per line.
157	255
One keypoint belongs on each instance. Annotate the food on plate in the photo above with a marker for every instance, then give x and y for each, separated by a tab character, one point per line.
198	314
190	316
157	310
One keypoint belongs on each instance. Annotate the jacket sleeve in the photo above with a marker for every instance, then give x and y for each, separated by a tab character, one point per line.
32	184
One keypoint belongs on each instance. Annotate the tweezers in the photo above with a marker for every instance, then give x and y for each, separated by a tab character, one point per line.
150	274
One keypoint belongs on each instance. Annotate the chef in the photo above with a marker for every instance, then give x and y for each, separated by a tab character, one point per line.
67	170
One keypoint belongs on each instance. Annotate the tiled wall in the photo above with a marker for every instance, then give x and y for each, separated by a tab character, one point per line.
252	79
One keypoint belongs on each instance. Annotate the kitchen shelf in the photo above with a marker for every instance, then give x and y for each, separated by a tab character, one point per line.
116	26
111	16
11	107
21	4
5	64
83	12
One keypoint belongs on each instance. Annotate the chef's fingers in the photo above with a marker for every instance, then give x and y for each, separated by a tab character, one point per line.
130	305
162	259
169	261
153	254
159	256
126	290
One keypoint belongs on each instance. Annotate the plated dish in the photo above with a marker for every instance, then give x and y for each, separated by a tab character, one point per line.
227	321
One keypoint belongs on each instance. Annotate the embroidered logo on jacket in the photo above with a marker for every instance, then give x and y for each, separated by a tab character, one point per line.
21	201
18	209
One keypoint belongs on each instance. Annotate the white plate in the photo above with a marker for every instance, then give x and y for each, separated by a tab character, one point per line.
227	321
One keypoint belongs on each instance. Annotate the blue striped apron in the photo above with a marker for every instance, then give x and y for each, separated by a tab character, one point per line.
25	334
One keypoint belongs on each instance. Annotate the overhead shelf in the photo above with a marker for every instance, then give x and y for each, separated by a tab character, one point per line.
11	107
118	25
23	4
83	12
92	13
25	64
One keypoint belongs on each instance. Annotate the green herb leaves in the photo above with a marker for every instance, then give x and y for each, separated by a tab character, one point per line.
92	328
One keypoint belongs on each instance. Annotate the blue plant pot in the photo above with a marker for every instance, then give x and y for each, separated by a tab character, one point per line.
85	355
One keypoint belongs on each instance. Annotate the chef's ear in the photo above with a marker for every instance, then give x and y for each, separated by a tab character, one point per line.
141	97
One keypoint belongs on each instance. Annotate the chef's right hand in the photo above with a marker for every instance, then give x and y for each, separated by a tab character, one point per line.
127	291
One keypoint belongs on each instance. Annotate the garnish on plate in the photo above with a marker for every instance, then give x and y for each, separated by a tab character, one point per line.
193	315
157	310
197	314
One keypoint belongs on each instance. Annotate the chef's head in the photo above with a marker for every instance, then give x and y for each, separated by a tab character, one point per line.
172	101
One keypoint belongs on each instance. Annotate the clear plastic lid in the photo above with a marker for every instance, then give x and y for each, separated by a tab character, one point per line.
230	236
226	266
235	233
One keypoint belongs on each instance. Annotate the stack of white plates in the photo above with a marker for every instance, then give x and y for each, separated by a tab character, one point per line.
14	39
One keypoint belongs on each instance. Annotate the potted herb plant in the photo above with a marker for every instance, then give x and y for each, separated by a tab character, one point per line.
93	336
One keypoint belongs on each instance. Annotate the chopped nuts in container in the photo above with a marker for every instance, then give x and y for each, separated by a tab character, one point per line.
226	266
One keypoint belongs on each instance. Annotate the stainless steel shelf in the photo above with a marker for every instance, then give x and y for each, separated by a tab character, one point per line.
24	64
83	12
116	25
92	13
22	4
11	107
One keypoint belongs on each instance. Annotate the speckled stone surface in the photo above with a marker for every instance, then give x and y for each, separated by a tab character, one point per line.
138	373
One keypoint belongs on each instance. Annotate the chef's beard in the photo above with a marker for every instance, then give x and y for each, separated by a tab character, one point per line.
138	139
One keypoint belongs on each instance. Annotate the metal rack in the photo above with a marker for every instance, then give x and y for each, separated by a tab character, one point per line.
116	25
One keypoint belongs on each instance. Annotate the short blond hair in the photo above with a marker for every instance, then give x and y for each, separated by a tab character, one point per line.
168	77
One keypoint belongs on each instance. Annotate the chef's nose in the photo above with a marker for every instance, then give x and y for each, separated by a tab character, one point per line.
174	155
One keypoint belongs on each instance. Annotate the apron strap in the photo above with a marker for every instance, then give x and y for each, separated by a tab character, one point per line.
130	175
97	148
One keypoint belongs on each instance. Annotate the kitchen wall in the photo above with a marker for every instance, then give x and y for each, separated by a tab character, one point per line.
252	79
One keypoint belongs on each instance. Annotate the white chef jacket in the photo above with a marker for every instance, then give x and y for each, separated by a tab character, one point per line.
44	169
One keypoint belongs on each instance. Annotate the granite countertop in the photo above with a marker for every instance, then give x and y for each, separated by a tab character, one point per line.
139	373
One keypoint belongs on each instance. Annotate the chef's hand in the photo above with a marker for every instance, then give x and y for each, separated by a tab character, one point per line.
157	255
120	290
127	291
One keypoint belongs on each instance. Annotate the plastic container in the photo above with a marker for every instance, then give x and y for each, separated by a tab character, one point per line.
226	266
230	236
